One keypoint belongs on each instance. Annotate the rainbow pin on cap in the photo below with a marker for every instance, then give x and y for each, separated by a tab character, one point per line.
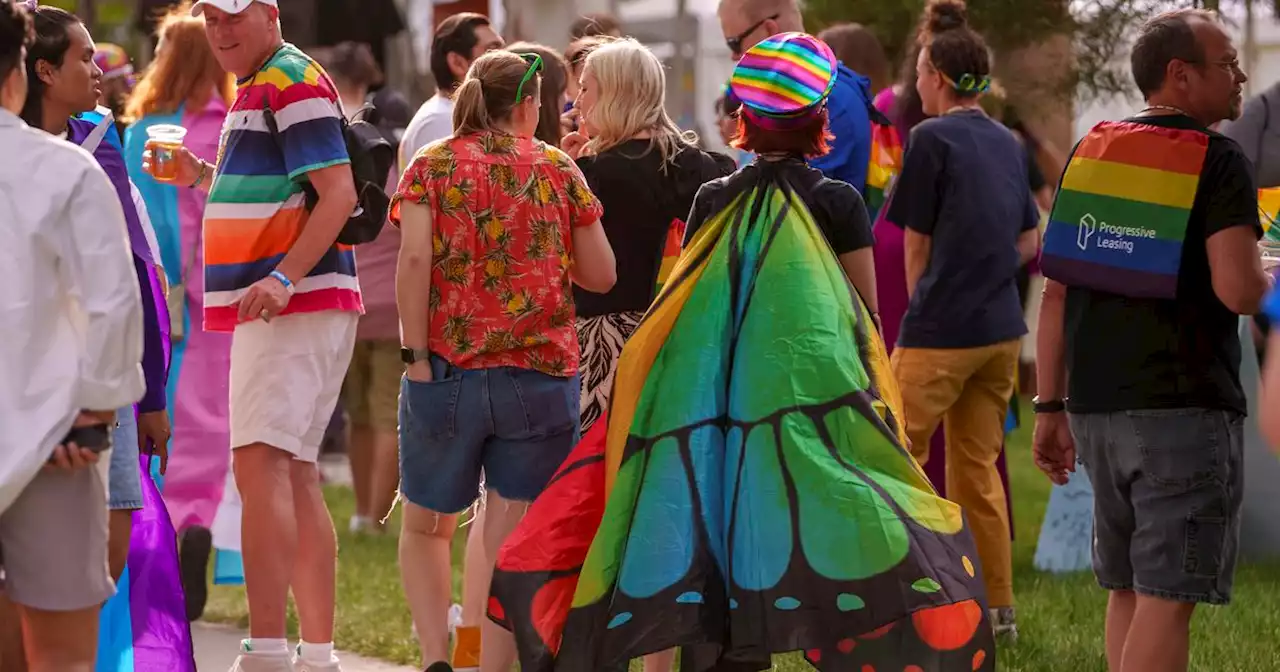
784	80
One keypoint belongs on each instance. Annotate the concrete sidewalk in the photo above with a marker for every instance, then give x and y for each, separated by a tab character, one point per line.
217	645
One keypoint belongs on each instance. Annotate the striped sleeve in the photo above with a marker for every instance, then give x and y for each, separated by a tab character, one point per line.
310	126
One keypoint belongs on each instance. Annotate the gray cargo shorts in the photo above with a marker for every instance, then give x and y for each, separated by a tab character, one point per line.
53	541
1168	485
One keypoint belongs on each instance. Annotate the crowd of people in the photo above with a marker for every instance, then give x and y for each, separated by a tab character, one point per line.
698	404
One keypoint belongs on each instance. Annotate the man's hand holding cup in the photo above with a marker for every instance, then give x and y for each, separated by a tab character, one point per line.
167	160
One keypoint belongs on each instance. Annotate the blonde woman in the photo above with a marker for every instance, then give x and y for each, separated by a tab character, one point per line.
645	172
496	226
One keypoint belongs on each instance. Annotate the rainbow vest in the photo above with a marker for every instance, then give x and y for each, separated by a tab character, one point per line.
1120	216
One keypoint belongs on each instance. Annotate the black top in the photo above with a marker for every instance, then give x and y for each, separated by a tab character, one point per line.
640	202
964	184
1132	354
837	208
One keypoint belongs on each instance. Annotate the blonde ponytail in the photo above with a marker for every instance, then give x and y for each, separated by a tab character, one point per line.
488	95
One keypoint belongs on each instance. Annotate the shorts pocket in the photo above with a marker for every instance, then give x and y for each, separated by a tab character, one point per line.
1204	546
1181	448
550	404
428	410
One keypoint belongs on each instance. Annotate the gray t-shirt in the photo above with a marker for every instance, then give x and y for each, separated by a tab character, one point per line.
1258	133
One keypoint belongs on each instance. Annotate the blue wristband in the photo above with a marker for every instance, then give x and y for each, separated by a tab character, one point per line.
284	280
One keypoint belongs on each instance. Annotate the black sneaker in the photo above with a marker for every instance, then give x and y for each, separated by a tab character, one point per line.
440	667
193	562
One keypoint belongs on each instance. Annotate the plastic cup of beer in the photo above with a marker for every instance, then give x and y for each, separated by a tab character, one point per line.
1270	251
164	140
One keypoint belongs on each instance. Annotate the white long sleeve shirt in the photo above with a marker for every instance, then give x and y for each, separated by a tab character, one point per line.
70	308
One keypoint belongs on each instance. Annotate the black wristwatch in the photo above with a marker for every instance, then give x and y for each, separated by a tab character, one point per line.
1039	405
414	355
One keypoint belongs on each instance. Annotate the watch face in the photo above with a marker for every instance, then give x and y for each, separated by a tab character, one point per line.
406	355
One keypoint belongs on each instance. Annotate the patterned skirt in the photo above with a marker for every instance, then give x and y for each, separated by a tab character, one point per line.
601	339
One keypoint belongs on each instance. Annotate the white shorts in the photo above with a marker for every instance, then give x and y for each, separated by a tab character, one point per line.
286	376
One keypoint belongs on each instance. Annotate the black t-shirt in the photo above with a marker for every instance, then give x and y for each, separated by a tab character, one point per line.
640	202
964	184
1132	354
837	208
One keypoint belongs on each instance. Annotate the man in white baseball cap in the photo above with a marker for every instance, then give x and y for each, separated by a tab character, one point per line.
229	6
288	294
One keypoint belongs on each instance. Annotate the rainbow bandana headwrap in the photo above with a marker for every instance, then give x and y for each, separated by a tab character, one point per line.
784	80
113	61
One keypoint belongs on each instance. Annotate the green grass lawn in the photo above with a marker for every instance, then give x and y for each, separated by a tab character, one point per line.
1059	618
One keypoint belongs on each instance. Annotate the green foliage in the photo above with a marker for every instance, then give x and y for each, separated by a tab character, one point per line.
1097	29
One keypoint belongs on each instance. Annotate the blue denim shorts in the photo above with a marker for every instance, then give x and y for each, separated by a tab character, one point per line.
1168	485
123	485
515	425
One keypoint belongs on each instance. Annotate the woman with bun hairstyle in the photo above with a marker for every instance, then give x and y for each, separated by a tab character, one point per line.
901	104
496	228
970	223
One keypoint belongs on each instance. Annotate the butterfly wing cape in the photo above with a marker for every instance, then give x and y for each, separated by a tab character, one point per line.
751	493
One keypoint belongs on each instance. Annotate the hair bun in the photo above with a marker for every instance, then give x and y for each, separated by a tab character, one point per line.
943	15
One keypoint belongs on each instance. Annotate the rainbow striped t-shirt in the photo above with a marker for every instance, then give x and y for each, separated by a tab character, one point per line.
256	208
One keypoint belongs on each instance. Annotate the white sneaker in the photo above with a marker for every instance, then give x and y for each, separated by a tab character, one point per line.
1004	622
250	661
359	524
301	665
455	617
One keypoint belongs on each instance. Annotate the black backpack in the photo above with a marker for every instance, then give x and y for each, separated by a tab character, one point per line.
372	157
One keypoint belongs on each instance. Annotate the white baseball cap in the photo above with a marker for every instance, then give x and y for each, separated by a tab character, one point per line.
229	6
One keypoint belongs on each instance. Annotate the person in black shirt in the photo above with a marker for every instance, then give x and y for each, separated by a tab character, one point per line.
645	172
1150	383
970	224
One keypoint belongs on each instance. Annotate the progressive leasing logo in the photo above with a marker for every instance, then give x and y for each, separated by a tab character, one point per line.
1113	237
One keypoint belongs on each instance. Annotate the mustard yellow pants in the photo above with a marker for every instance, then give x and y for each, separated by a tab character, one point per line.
968	391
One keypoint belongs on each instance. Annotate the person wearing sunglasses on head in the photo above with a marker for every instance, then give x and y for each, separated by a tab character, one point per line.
748	22
496	227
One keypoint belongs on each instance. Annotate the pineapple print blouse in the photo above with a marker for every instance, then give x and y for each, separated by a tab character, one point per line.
502	213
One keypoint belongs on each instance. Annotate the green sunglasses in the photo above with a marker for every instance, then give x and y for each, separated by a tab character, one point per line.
535	66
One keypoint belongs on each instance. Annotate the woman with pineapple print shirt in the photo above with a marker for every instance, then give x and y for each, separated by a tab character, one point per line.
496	228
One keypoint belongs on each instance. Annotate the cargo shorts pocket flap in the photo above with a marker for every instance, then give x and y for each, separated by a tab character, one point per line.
1180	447
1206	538
428	410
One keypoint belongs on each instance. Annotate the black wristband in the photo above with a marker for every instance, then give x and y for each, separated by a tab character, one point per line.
1039	405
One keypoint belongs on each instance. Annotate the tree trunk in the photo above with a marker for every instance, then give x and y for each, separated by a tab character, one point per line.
87	10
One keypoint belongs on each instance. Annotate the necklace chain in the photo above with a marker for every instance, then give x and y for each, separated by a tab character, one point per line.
1165	108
